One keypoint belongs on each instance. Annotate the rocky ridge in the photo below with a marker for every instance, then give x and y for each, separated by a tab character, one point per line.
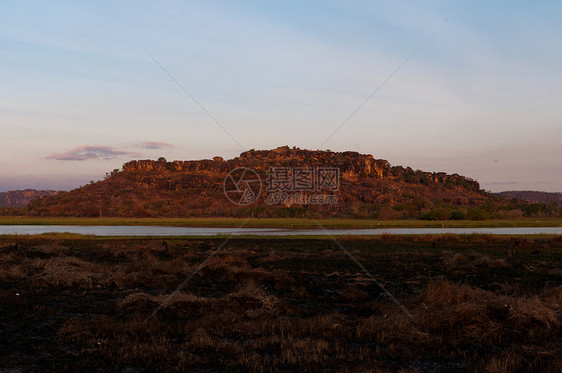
22	198
195	188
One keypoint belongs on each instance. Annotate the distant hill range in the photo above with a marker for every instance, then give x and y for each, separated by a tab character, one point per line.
22	198
533	196
148	188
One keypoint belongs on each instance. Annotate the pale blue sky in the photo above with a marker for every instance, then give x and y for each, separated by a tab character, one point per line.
482	95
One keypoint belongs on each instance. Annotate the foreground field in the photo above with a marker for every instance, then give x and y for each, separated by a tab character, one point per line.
473	303
293	223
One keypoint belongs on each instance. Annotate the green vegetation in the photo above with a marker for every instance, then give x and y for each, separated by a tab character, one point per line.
291	223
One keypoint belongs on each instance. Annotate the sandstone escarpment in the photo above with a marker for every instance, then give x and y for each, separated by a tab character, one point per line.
195	188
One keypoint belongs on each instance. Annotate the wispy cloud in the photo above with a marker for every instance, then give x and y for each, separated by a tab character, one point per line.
154	145
86	152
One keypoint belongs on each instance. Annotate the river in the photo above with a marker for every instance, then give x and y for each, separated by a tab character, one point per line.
104	230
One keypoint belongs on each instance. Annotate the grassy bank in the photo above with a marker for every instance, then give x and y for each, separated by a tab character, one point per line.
291	223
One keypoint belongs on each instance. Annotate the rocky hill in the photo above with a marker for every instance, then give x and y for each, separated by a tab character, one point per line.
533	196
365	187
22	198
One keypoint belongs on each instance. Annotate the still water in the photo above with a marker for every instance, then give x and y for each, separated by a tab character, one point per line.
105	230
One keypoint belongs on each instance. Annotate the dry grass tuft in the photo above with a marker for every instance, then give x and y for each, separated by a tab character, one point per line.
492	262
222	263
178	305
139	302
251	296
148	270
553	297
445	310
71	271
507	361
352	294
480	314
457	260
12	273
52	249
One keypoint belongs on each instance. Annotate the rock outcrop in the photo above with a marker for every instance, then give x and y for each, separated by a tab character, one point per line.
195	188
22	198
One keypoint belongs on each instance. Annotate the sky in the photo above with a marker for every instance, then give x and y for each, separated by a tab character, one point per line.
473	88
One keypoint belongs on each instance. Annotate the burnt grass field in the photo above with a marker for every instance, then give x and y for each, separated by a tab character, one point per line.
474	303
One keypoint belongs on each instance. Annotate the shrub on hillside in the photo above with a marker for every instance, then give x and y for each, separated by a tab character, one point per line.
477	213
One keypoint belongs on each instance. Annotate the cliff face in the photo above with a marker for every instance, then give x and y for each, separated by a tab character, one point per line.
22	198
352	166
350	162
195	188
